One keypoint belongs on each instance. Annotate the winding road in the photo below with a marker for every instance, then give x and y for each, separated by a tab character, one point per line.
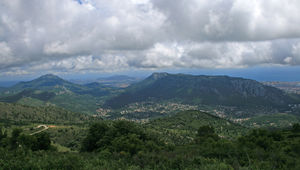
39	126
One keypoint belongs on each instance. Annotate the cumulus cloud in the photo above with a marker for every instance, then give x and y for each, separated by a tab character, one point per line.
115	35
231	20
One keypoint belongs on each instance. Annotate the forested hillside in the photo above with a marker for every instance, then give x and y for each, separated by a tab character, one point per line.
210	90
182	127
16	113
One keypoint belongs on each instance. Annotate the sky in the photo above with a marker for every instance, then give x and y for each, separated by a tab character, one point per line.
250	38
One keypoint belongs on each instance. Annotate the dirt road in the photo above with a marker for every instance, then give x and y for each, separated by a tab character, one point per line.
39	126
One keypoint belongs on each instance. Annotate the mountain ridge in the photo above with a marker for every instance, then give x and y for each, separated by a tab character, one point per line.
201	89
51	89
54	83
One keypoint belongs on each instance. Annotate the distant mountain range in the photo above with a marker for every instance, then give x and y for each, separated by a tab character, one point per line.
53	90
118	80
4	84
54	83
208	90
159	87
290	87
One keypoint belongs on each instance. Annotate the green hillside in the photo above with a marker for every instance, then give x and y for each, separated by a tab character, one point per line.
19	114
128	145
183	126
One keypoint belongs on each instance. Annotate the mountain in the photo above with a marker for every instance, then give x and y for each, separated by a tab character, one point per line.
8	83
52	90
56	84
117	78
2	88
208	90
45	82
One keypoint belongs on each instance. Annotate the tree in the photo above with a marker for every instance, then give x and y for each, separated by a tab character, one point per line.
93	140
43	141
3	137
14	143
120	136
27	141
3	133
296	127
205	131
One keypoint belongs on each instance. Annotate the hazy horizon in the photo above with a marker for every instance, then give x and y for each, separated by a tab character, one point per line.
285	74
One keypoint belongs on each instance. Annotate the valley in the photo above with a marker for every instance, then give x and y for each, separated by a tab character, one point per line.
164	118
290	87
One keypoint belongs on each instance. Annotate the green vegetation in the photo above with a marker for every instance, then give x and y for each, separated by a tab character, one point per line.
279	120
127	145
68	138
20	114
182	127
19	140
121	137
76	103
47	137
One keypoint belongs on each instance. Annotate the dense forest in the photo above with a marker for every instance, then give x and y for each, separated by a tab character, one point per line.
22	114
128	145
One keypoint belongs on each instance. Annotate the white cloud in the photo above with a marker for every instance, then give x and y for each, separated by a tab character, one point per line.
231	20
114	35
296	53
